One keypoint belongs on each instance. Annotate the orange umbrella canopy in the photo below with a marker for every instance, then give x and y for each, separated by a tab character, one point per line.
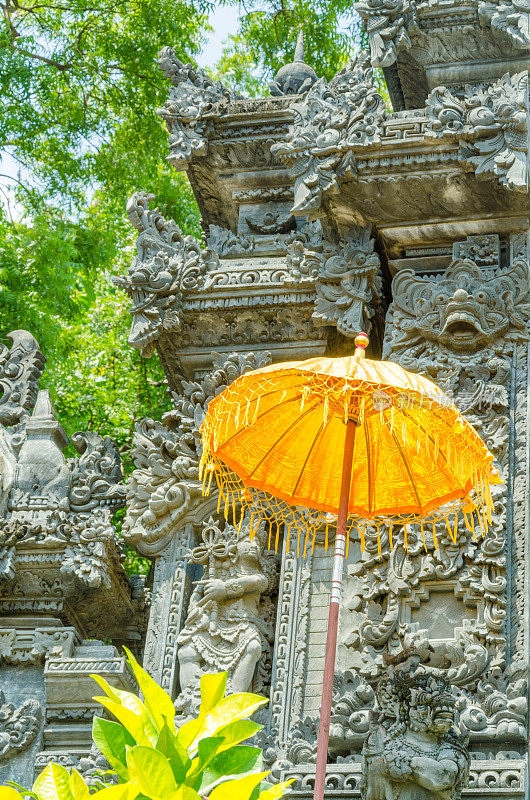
274	441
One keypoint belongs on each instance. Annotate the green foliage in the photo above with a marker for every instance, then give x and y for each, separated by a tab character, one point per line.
154	761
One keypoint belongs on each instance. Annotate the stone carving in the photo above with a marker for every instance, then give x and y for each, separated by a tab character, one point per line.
97	475
512	17
230	614
490	121
348	286
333	119
295	78
413	752
386	22
18	726
167	265
165	486
466	308
20	369
466	344
194	99
485	251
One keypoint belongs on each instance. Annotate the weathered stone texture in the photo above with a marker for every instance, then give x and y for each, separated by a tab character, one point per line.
323	212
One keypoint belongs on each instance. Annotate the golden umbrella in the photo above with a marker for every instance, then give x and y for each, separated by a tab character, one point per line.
275	439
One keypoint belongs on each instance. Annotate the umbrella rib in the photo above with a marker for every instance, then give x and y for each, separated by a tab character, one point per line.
260	416
285	432
313	443
409	473
369	467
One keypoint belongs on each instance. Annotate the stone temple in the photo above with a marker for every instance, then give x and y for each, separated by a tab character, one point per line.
324	213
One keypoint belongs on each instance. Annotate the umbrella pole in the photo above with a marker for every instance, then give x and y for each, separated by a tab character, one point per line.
333	619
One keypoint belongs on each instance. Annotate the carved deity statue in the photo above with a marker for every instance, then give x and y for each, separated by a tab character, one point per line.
413	752
230	613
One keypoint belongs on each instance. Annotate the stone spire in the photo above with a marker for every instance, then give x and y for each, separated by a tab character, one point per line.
296	77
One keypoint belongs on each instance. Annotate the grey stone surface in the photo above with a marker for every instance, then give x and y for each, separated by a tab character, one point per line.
323	212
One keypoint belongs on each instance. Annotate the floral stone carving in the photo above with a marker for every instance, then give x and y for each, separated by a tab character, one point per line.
386	22
194	98
413	752
490	122
229	625
18	726
167	265
512	17
333	119
165	483
20	369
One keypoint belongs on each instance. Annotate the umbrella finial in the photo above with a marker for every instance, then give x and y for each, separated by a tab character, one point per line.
361	343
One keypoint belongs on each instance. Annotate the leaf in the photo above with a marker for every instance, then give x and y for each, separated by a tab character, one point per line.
151	771
213	687
78	786
230	709
126	699
206	750
239	760
276	791
237	789
8	793
168	744
139	726
238	731
124	791
157	702
111	739
53	783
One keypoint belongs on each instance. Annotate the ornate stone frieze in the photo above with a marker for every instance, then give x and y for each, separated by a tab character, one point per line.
20	369
166	266
19	726
29	647
490	122
194	100
412	749
333	119
466	329
511	17
386	22
97	475
348	285
164	488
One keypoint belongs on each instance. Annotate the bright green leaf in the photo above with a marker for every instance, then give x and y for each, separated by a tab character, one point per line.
168	744
78	786
238	731
237	789
276	791
139	726
152	772
239	760
213	687
111	739
157	702
53	783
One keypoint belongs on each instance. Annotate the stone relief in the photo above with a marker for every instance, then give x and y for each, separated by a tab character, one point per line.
466	308
97	475
348	285
413	752
512	17
332	119
230	620
19	726
21	366
166	266
194	98
387	23
165	487
490	122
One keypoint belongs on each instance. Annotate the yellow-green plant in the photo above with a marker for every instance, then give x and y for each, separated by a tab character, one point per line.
204	758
